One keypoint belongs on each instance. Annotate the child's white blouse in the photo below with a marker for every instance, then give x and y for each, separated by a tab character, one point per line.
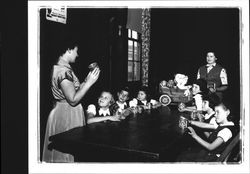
225	133
92	109
121	105
134	102
198	101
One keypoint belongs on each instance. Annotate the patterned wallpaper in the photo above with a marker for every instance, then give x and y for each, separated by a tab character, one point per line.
145	44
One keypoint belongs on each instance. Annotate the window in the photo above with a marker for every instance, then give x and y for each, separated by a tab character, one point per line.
134	56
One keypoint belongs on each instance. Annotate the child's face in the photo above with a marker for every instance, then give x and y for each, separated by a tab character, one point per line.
196	89
123	96
105	99
221	114
141	96
205	105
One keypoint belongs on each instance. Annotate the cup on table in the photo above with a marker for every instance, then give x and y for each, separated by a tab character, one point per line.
183	122
139	109
194	115
181	106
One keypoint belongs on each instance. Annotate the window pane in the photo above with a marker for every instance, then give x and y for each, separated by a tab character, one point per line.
137	71
129	33
135	43
130	71
136	51
139	51
134	35
130	50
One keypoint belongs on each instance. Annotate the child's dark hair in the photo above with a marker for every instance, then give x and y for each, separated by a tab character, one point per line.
63	45
202	83
213	99
226	106
124	88
146	90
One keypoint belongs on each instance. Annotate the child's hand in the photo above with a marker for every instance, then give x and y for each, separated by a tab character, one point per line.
201	117
140	108
191	132
120	114
114	118
187	92
156	105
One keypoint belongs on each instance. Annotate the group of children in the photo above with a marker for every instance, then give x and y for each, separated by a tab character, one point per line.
213	115
213	119
109	109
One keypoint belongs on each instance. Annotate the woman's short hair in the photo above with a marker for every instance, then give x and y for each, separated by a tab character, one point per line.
63	45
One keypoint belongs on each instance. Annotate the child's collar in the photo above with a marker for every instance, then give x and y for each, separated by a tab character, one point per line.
104	111
104	108
118	102
144	101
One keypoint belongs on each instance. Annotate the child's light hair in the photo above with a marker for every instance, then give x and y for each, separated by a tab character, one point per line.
112	101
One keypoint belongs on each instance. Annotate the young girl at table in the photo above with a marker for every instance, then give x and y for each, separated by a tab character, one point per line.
143	100
102	111
217	141
208	121
199	89
122	99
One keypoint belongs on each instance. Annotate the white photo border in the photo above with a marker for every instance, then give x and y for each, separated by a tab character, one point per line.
35	166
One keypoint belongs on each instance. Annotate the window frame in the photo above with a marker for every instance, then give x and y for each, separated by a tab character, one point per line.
139	42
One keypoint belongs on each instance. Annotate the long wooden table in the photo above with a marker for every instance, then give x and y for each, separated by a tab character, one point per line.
151	136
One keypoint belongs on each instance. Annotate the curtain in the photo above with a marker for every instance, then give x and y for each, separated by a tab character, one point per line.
145	44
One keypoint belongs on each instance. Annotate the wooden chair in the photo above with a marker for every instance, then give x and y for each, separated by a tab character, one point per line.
226	153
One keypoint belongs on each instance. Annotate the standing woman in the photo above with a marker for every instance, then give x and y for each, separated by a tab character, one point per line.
67	92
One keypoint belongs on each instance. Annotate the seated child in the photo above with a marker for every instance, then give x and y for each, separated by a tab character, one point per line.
217	140
199	89
121	106
208	120
122	98
143	100
102	112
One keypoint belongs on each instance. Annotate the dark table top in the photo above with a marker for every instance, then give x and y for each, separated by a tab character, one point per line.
145	136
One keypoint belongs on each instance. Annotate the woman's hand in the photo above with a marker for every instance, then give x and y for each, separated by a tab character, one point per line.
213	90
93	76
